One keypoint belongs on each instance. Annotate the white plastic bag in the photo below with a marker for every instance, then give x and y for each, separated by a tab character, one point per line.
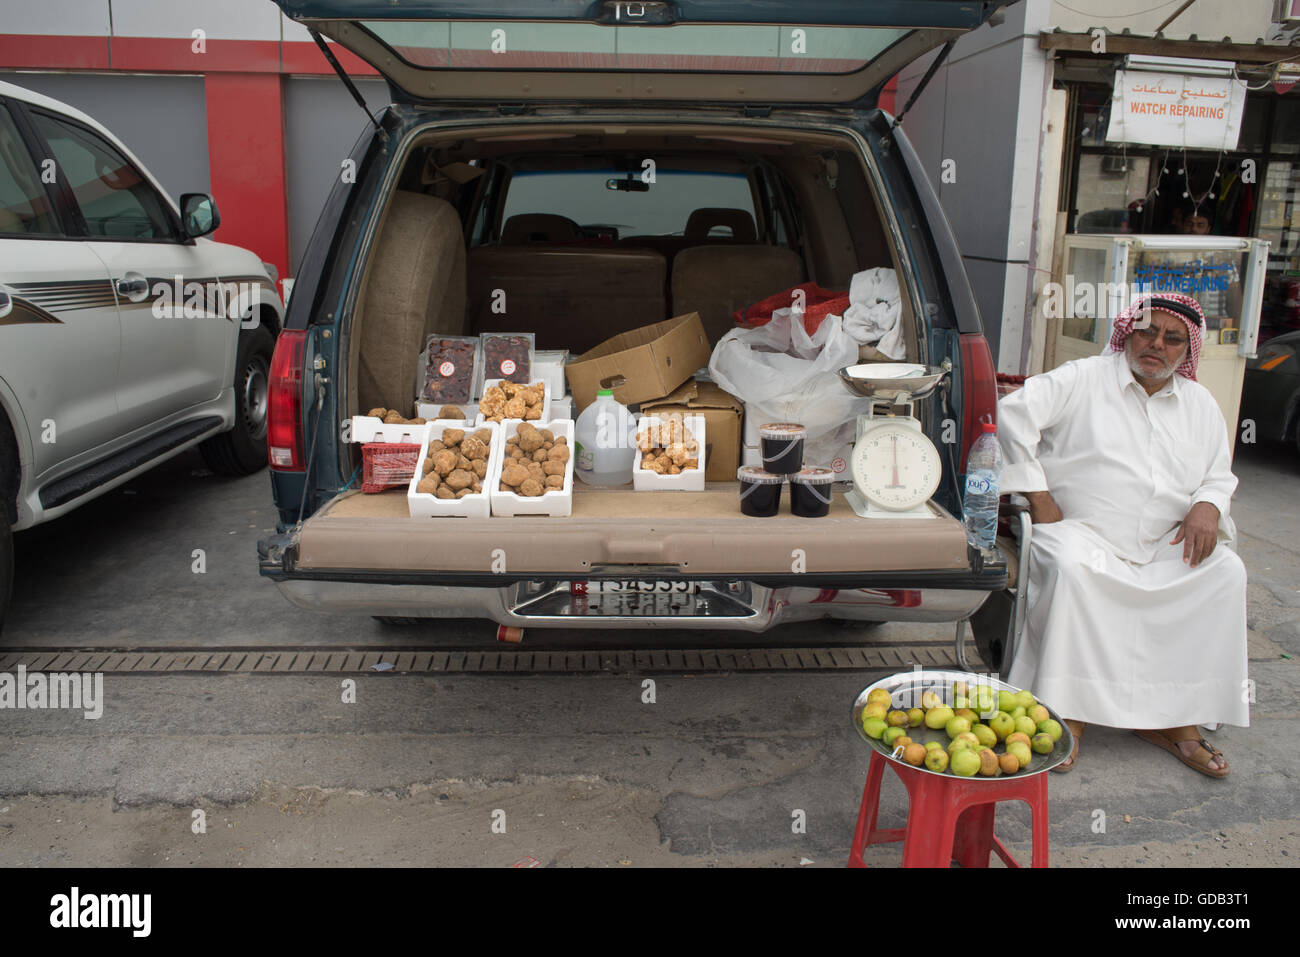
784	375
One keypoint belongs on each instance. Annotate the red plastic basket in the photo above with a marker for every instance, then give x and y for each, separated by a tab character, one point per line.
386	465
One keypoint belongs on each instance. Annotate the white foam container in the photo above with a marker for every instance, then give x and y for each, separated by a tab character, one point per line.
477	505
690	480
546	401
555	502
368	428
562	408
429	410
548	365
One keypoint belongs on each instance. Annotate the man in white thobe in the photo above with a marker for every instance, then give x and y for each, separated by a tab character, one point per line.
1136	619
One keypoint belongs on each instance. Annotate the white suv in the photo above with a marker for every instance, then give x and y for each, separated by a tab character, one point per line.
124	337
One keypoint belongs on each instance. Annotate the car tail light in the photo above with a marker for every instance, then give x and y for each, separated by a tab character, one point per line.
284	410
979	393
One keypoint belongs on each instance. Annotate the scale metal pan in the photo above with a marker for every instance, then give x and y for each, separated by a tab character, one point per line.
899	381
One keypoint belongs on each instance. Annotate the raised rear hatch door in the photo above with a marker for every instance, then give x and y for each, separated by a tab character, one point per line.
810	52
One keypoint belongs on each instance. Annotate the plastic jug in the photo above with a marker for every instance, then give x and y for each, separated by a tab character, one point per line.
605	442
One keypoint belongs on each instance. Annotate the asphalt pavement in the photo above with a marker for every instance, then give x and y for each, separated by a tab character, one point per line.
715	769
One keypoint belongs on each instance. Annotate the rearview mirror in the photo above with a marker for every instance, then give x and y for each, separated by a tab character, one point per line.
199	215
629	185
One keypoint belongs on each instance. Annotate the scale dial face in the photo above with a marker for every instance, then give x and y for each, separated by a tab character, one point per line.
895	467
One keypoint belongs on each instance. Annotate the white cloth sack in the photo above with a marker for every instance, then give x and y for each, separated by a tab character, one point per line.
784	375
875	306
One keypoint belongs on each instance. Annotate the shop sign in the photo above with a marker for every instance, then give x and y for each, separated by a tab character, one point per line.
1169	109
1188	278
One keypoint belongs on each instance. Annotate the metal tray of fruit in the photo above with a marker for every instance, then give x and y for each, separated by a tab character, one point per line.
907	689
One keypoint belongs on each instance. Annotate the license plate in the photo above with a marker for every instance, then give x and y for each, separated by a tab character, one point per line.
661	587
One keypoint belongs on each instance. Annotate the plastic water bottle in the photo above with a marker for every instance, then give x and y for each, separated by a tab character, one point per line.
604	439
983	480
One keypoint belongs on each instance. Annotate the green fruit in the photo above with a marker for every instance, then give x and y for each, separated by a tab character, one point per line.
985	734
984	698
959	744
1052	727
1002	725
965	763
1021	751
968	714
914	717
956	726
896	719
1025	699
936	718
874	727
893	734
933	746
1026	725
960	701
1039	714
1019	711
1042	743
1006	701
936	759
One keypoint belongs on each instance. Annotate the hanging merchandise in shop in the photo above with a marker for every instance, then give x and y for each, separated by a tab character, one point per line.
1169	109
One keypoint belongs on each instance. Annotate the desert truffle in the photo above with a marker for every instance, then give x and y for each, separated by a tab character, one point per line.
514	475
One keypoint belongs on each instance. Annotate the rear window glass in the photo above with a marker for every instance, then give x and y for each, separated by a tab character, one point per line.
709	48
663	209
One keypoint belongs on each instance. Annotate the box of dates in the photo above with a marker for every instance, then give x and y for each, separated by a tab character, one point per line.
507	355
448	369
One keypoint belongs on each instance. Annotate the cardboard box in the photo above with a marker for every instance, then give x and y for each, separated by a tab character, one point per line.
645	363
721	412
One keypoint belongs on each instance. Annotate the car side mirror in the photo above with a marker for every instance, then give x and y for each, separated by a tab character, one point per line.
199	215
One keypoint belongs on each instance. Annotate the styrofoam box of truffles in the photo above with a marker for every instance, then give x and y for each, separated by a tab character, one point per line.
368	428
546	400
553	502
689	480
476	505
430	410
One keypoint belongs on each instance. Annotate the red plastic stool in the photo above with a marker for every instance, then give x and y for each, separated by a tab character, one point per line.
949	817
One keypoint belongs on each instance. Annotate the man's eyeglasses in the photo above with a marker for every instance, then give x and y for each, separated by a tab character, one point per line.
1174	340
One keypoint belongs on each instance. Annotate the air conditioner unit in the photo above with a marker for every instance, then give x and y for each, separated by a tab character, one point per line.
1113	164
1182	65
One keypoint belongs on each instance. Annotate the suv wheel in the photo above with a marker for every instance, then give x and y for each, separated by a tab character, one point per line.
242	450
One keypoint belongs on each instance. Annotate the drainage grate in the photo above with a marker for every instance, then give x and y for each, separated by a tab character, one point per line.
299	661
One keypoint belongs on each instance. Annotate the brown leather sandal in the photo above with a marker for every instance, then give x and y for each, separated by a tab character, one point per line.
1076	729
1200	758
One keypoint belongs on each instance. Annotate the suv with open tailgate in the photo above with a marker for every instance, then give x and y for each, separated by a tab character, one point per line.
483	182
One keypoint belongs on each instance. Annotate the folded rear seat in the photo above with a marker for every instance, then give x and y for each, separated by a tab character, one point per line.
571	297
415	287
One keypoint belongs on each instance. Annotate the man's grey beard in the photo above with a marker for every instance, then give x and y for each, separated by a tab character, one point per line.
1131	354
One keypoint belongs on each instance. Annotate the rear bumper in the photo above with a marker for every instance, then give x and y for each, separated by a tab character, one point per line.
739	606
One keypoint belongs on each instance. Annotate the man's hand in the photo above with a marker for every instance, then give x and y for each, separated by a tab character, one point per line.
1043	509
1199	533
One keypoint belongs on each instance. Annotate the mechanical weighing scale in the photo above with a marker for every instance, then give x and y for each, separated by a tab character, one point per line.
895	467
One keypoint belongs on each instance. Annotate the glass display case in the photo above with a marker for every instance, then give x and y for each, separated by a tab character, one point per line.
1102	274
